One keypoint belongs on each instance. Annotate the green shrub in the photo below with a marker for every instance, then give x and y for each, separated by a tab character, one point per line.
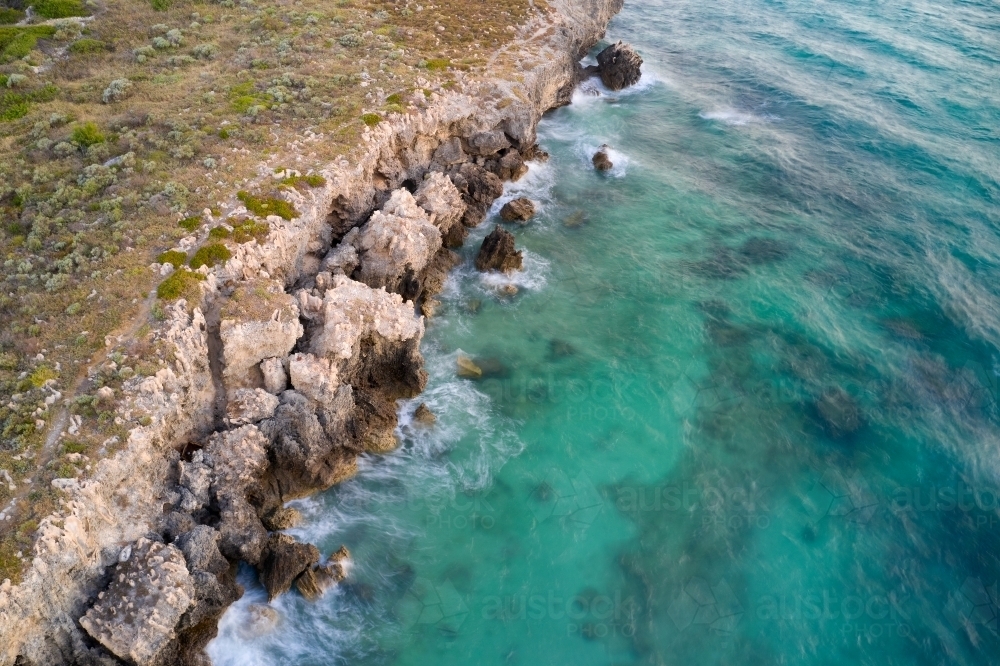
395	98
190	223
43	374
270	206
247	230
161	5
175	257
87	135
87	46
17	42
53	9
312	180
210	255
9	16
181	282
74	447
438	64
371	119
219	233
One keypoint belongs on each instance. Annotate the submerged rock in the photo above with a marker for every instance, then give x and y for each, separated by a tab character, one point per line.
467	368
601	160
519	210
619	66
498	253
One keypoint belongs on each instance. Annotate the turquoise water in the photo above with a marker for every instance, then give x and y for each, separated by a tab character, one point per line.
743	407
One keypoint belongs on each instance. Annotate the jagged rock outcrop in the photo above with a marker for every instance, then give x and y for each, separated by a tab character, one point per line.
601	160
519	210
438	196
284	559
259	321
396	245
619	66
498	253
313	582
479	189
248	406
150	590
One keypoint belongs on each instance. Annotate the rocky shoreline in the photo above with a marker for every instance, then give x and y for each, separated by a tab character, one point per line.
287	370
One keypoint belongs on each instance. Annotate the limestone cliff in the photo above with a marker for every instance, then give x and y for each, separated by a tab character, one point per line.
287	369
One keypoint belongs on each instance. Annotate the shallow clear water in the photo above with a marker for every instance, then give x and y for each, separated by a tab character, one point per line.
743	408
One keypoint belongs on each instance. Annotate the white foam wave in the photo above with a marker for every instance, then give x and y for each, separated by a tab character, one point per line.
738	118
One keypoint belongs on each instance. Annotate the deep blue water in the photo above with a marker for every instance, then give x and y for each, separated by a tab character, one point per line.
744	406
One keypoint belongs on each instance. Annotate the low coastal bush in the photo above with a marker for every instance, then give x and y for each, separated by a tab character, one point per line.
438	64
87	135
219	233
175	257
54	9
182	282
262	207
87	45
17	42
9	16
247	230
312	180
190	223
210	255
371	119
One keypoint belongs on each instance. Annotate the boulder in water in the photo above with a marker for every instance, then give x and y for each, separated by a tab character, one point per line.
283	560
468	369
424	415
519	210
498	253
619	66
601	160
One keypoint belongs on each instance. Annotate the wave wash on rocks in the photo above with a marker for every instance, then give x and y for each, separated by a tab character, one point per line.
288	368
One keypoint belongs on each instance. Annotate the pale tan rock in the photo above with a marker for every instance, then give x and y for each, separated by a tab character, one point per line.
259	321
438	196
135	616
250	405
397	238
353	311
467	368
313	376
275	377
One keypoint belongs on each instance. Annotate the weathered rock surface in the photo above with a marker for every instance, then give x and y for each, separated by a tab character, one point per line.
479	189
275	377
601	160
261	323
312	583
150	590
424	415
619	66
519	210
249	406
284	559
396	245
443	202
498	253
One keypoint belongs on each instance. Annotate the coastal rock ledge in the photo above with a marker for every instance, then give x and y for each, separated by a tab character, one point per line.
288	367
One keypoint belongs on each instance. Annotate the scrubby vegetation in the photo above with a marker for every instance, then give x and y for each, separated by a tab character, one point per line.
119	128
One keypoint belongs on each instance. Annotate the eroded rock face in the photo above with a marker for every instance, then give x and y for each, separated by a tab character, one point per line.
498	252
238	459
275	377
519	210
619	66
284	559
250	405
396	245
479	189
136	615
262	322
443	202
